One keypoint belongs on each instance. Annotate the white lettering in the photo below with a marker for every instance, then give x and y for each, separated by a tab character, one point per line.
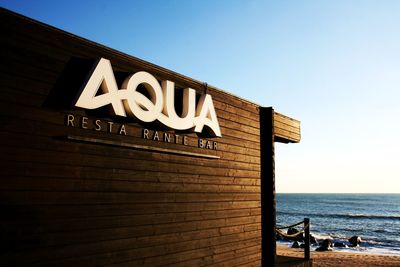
167	137
208	144
206	116
110	124
122	129
145	134
84	121
98	125
155	136
185	140
102	77
160	105
138	105
201	143
70	120
168	116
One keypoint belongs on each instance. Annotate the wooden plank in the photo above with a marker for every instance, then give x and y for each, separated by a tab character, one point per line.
43	170
52	225
286	130
49	211
280	118
286	136
125	166
11	183
76	198
80	159
143	232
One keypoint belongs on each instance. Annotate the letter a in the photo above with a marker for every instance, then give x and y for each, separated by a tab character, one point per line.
206	115
102	77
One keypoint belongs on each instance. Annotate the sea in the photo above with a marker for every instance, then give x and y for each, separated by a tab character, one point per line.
373	217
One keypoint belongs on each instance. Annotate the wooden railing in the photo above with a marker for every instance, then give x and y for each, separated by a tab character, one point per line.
305	230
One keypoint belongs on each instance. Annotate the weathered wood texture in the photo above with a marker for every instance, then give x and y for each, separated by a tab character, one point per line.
76	203
286	130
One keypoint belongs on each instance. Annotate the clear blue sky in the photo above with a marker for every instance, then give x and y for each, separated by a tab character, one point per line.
334	65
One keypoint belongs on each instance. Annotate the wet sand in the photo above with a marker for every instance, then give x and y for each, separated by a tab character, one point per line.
333	258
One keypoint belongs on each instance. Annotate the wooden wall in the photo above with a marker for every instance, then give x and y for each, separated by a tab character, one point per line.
286	129
76	203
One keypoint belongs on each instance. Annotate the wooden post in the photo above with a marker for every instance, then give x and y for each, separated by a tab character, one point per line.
268	202
307	238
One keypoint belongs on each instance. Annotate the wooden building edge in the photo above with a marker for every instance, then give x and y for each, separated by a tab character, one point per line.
85	187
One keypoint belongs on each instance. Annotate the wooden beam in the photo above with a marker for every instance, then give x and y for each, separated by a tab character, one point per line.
274	127
286	129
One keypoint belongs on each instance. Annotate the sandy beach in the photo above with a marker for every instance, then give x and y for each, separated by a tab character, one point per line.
342	258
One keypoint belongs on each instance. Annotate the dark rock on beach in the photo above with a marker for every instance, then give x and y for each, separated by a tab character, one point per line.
296	244
326	245
355	241
313	240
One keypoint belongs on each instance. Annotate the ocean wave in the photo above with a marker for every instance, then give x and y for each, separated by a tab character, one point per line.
319	236
372	216
345	216
382	231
